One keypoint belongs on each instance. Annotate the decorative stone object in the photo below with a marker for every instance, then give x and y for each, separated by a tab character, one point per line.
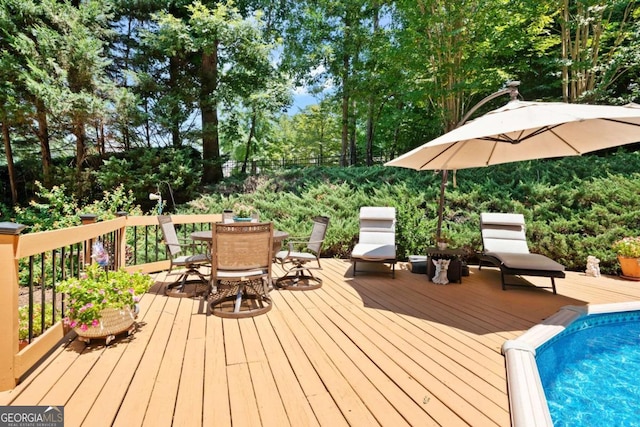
440	277
593	266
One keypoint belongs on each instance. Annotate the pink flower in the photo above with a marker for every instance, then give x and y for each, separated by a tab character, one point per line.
95	322
84	327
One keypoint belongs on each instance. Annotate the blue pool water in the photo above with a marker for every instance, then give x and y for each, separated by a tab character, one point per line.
591	372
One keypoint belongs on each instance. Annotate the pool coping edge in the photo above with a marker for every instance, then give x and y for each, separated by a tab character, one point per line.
527	402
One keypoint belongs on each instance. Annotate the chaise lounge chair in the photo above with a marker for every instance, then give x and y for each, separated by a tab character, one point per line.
505	245
377	241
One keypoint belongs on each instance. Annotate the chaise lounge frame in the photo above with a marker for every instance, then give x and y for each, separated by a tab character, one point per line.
505	246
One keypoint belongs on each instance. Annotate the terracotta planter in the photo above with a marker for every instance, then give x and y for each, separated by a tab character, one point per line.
113	321
630	267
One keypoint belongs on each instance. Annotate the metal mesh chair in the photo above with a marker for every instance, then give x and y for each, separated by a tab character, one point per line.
189	264
303	256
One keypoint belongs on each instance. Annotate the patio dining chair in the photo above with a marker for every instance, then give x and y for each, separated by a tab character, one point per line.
188	264
301	257
241	259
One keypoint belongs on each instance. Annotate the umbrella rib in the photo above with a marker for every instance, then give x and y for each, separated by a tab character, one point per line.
449	147
566	142
505	138
622	122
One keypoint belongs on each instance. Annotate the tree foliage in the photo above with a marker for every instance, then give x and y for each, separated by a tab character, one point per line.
105	76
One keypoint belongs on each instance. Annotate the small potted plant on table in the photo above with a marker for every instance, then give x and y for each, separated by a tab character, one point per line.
628	252
243	213
101	303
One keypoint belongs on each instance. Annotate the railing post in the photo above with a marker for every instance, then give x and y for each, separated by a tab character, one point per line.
121	244
9	240
86	253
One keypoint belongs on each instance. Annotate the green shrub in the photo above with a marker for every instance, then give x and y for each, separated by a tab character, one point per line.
23	314
574	207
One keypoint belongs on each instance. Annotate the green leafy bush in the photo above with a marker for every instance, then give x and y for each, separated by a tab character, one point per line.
574	207
23	315
175	172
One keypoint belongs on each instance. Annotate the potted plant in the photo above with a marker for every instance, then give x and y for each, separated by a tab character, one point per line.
101	303
628	252
243	212
441	241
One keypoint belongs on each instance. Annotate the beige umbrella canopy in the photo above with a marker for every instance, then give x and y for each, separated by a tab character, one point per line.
524	130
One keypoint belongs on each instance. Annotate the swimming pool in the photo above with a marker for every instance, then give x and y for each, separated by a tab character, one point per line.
527	401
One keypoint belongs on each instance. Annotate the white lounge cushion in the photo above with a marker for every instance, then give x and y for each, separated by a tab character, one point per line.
503	232
501	218
374	251
377	238
378	212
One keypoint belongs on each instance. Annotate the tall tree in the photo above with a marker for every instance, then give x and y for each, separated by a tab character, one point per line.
59	68
592	34
83	33
231	57
328	35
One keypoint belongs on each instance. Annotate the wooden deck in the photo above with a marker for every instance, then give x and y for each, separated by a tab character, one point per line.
363	351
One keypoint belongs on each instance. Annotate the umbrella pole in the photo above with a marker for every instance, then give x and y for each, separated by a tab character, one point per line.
512	90
443	184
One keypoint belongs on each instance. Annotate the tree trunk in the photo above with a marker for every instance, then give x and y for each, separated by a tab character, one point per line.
6	138
345	126
565	36
252	130
174	67
209	106
345	110
353	152
43	136
370	112
81	143
371	102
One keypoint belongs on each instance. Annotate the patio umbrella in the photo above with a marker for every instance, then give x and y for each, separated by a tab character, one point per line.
523	130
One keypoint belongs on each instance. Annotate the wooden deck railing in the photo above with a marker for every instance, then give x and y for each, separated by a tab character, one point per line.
57	252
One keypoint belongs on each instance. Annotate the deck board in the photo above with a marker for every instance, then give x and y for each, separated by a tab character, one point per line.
360	351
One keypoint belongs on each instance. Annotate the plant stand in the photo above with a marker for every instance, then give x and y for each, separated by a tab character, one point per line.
113	321
454	272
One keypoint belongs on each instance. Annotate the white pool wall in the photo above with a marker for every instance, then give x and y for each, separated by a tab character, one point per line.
527	402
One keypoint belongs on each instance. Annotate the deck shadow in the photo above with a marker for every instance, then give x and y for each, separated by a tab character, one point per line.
477	305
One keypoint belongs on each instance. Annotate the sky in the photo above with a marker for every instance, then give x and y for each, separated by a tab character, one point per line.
303	98
300	101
